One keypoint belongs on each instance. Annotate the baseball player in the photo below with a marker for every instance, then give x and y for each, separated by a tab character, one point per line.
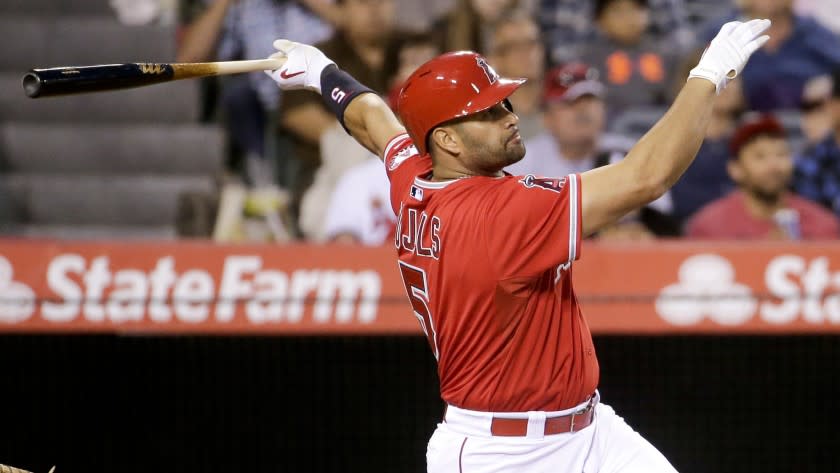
486	257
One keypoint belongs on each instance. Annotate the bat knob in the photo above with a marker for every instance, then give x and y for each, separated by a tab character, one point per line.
32	84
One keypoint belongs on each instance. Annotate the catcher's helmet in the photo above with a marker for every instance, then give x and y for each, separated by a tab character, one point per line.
449	86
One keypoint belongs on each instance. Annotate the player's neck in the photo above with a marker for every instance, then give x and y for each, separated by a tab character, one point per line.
443	173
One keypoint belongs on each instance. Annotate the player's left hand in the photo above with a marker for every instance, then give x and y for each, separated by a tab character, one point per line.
302	66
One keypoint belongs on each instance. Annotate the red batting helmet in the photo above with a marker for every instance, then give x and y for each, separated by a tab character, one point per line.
449	86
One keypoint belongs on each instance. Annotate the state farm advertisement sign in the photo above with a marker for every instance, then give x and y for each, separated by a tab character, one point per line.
196	287
199	287
683	287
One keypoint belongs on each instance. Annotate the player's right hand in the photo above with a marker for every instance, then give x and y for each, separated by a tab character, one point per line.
302	66
729	51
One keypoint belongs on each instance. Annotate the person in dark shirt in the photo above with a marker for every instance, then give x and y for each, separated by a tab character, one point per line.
799	49
634	66
817	174
707	179
762	207
359	47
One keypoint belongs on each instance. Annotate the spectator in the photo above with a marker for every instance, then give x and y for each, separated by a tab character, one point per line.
404	54
574	142
762	208
815	111
707	179
347	206
567	26
824	11
516	51
817	174
634	66
245	29
466	27
359	48
799	49
360	209
574	117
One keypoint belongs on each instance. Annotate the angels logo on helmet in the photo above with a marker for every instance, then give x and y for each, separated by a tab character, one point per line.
492	75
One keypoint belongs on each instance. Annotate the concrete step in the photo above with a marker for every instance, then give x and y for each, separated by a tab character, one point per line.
55	7
42	42
89	232
33	148
95	200
172	102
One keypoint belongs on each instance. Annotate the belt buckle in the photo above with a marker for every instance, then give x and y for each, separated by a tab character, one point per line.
580	412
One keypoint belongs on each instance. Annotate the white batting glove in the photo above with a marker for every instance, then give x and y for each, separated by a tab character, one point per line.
302	66
729	51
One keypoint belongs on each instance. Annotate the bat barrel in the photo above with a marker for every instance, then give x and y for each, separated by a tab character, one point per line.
73	80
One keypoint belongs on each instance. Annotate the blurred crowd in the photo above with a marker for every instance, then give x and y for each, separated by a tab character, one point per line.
600	73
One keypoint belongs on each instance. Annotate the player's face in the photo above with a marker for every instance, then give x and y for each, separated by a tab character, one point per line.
764	167
491	139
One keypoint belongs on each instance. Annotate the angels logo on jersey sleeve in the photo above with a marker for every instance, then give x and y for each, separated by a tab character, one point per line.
555	184
401	155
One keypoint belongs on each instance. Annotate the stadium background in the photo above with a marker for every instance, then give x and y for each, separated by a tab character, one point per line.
115	401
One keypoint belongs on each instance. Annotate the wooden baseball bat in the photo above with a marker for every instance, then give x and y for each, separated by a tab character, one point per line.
81	79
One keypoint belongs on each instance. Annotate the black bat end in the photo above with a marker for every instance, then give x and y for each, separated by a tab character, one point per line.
32	85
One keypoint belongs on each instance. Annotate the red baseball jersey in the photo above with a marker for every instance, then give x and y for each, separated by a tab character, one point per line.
486	262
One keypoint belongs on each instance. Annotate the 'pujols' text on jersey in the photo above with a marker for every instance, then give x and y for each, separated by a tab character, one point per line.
418	233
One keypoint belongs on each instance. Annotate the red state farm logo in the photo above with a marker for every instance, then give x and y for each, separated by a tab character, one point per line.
796	289
17	300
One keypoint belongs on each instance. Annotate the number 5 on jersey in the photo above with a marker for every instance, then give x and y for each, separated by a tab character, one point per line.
415	286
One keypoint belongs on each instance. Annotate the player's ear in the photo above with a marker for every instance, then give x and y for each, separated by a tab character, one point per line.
446	138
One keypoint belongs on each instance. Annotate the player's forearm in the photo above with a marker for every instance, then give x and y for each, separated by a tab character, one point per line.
202	35
363	113
371	122
663	154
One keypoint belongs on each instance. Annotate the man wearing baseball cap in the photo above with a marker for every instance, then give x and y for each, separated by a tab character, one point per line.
574	142
574	116
817	173
762	208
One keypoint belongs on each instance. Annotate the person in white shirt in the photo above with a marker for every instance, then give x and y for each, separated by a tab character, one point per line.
360	210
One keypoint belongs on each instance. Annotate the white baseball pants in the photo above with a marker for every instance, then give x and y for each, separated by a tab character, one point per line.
463	444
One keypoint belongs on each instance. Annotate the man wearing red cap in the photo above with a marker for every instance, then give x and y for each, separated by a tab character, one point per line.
486	257
762	166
